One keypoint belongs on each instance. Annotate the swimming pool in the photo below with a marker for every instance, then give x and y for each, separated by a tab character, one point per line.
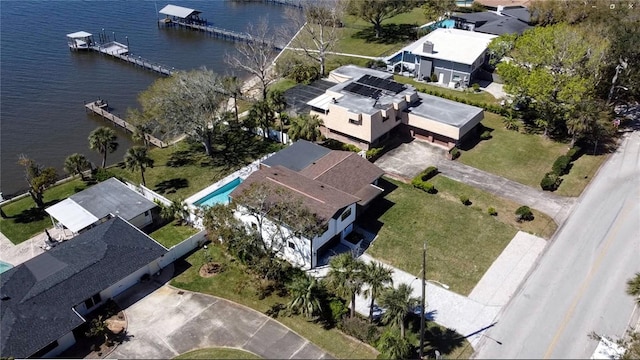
219	196
4	267
447	24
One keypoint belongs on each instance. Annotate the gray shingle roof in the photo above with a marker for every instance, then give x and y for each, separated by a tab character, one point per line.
112	197
38	295
505	25
298	156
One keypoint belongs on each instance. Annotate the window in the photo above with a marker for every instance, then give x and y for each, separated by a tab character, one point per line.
345	214
291	245
92	301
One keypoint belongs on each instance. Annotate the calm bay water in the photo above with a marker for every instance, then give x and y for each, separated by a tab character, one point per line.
43	85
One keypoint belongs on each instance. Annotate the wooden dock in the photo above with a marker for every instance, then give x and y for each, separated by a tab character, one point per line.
121	51
100	107
214	31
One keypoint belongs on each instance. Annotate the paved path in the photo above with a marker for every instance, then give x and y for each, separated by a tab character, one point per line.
17	254
168	322
408	159
579	285
558	207
495	89
469	315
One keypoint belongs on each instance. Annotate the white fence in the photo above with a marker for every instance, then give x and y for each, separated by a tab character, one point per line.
274	135
181	249
148	193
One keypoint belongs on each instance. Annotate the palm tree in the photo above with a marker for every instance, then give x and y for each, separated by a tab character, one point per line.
103	140
377	276
304	292
233	86
345	277
140	134
177	211
137	158
633	287
393	346
76	164
398	303
305	127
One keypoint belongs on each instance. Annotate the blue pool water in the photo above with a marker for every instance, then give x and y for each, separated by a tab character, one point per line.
220	196
4	267
448	24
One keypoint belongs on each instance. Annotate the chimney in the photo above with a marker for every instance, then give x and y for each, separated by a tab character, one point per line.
427	47
500	9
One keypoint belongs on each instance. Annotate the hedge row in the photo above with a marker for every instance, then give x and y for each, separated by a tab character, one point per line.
551	180
420	181
494	108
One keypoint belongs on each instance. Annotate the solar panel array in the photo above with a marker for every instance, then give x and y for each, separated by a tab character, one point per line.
380	83
363	90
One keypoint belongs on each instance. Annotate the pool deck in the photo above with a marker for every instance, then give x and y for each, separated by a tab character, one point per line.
28	249
242	174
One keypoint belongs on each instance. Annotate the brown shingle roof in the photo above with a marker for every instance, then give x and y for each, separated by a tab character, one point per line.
325	163
351	174
321	199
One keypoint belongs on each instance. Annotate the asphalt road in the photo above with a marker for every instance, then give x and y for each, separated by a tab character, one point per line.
579	284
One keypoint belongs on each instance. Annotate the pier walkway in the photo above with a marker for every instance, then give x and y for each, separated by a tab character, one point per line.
214	31
100	107
121	51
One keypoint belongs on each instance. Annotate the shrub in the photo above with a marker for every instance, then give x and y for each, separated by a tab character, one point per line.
428	173
475	87
434	78
465	200
337	310
374	153
550	182
303	73
424	186
455	153
523	213
360	329
486	135
103	174
561	165
491	211
574	153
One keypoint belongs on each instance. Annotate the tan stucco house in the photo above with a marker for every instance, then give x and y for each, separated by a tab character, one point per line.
365	105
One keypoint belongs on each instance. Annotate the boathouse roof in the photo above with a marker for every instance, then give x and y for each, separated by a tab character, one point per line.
178	11
79	35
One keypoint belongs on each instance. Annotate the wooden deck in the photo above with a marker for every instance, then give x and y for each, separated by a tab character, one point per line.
100	108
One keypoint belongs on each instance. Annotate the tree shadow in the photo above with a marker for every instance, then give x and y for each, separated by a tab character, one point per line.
390	34
181	158
32	214
445	341
171	186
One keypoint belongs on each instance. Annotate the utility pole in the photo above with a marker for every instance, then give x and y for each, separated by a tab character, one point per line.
422	311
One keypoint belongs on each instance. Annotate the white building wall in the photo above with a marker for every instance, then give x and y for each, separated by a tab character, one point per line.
65	342
125	283
298	250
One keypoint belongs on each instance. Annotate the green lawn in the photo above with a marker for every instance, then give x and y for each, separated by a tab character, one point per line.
358	37
24	219
481	96
524	158
218	353
172	234
582	171
462	242
449	189
183	169
282	84
235	284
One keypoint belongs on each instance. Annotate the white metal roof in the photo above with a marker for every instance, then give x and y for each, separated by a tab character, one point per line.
322	101
73	216
178	11
79	34
455	45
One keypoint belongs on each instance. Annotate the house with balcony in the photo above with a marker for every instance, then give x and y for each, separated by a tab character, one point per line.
366	106
454	56
335	186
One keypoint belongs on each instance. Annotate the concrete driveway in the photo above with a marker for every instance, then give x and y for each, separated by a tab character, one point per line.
169	322
410	158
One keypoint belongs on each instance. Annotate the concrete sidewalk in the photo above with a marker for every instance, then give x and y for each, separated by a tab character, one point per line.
470	315
557	207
